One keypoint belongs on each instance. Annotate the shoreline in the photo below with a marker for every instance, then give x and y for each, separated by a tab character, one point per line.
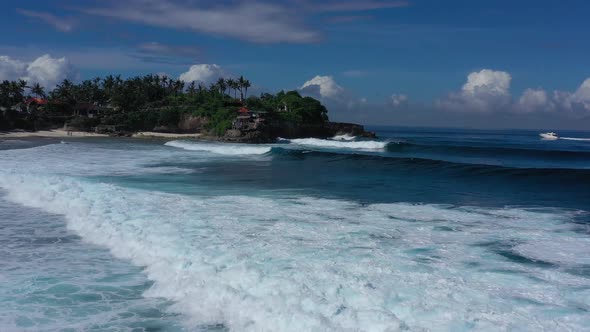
153	134
60	133
55	133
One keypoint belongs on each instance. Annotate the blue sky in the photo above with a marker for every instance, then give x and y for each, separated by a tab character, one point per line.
359	57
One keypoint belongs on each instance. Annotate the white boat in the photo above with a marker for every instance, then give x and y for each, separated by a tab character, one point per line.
549	136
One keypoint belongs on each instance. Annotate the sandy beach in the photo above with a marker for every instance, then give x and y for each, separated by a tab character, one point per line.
151	134
60	133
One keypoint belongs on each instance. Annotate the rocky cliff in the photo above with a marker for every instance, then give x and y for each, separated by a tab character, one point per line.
268	133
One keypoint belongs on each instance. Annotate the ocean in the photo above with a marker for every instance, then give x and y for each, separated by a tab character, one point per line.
419	230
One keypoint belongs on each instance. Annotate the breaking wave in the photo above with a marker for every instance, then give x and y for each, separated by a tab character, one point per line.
221	148
346	144
345	137
308	264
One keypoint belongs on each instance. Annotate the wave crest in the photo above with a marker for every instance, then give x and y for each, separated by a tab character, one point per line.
348	144
345	137
220	148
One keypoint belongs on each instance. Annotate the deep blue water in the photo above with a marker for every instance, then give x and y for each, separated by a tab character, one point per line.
421	229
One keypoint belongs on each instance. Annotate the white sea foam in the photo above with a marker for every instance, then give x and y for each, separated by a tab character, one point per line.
307	264
221	148
345	137
51	280
574	251
331	144
84	159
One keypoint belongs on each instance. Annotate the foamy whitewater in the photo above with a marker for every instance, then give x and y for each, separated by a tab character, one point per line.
302	235
220	148
338	142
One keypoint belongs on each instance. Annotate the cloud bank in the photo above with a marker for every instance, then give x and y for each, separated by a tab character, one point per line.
45	70
484	100
488	91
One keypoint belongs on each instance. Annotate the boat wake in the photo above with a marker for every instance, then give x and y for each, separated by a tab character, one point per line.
575	139
551	136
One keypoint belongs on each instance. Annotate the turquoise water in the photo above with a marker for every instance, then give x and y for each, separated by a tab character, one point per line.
420	230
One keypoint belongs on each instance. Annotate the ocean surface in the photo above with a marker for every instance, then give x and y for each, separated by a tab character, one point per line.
419	230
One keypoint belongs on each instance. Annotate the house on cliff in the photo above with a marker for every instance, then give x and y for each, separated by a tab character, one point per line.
248	119
34	104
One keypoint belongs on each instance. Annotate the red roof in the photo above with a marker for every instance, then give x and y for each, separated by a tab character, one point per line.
38	101
243	110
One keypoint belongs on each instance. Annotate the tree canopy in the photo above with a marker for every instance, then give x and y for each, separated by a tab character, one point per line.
146	102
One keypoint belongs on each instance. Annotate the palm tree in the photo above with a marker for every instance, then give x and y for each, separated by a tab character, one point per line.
222	84
178	87
232	85
65	91
108	83
192	89
241	86
246	85
164	81
17	90
213	88
11	93
38	90
118	81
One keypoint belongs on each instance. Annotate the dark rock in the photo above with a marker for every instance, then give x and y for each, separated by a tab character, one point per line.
193	124
269	132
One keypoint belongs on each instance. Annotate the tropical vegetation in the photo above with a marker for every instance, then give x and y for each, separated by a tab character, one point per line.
150	102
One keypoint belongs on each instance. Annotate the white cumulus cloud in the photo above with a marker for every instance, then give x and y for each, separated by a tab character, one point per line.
11	69
572	103
487	81
533	100
582	95
206	73
323	87
488	90
484	91
45	70
49	71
